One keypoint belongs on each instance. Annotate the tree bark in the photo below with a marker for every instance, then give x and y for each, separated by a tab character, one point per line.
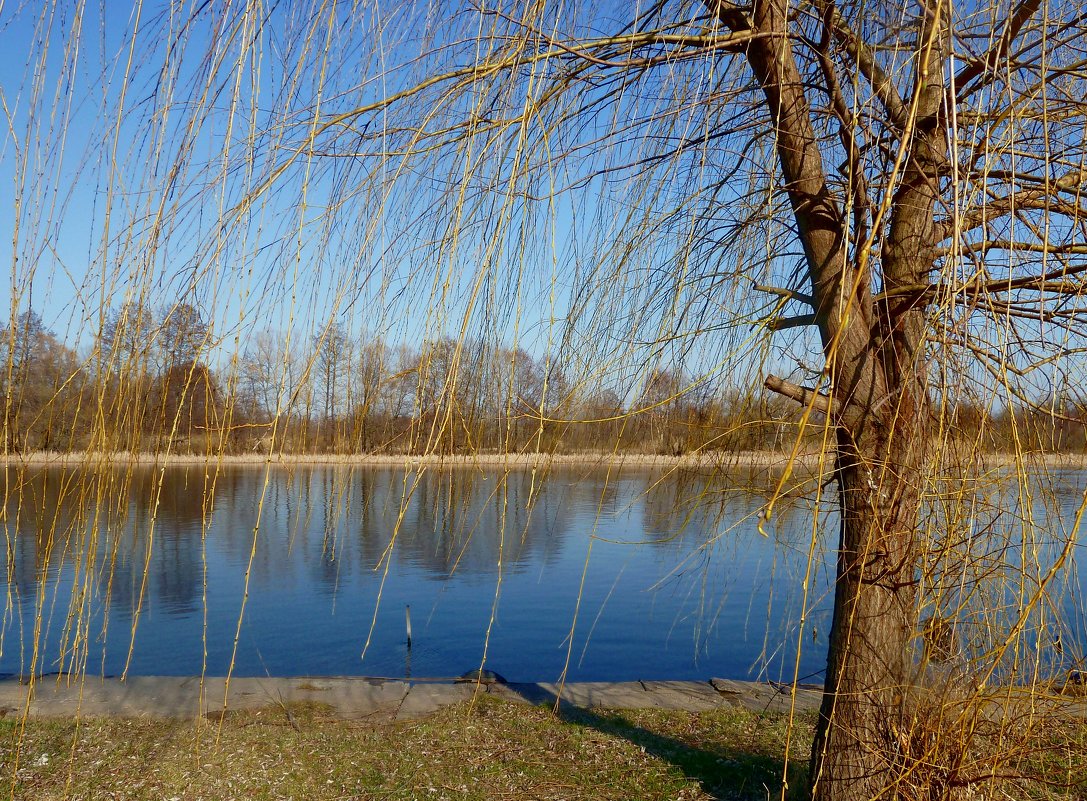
878	399
858	751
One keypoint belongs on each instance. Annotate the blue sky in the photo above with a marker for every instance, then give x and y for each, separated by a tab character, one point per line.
146	202
90	191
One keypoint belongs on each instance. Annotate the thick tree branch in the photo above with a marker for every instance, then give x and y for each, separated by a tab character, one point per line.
882	86
730	14
820	223
988	63
802	395
994	209
1053	282
785	323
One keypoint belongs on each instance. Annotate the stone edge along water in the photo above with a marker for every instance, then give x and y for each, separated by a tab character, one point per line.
370	698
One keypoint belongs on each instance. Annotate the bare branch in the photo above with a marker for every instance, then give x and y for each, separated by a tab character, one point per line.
782	292
1034	200
1054	282
882	86
988	245
802	395
816	209
988	63
785	323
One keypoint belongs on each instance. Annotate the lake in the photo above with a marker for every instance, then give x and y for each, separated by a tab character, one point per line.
309	571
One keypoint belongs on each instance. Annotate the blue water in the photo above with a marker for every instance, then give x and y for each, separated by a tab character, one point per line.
606	576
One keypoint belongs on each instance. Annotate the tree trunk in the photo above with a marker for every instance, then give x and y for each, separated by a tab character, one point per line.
858	751
877	398
862	745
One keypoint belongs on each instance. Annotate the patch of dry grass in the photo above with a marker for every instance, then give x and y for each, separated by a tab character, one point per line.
496	750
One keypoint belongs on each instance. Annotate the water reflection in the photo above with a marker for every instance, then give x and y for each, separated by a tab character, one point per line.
629	575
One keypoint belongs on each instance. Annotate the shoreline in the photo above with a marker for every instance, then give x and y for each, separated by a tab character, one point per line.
723	460
399	698
478	460
367	697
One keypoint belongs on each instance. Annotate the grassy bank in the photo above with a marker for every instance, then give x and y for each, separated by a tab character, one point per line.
495	751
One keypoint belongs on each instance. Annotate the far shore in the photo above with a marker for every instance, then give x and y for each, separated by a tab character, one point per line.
714	459
721	460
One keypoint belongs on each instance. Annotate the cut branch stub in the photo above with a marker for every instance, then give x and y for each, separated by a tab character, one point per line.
802	395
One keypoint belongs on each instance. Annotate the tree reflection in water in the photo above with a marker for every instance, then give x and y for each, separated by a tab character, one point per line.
674	588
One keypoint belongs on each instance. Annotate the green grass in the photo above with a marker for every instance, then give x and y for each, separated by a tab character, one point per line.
496	750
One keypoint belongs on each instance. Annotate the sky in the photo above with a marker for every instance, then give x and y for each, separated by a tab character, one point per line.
237	156
119	186
157	153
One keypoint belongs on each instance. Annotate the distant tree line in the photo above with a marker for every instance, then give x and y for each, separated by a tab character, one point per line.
146	384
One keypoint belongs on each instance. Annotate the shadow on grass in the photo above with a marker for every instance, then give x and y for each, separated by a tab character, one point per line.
747	768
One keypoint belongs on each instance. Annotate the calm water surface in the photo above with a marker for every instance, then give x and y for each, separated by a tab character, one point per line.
620	577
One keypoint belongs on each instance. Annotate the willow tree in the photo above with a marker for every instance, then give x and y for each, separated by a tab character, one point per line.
887	195
903	180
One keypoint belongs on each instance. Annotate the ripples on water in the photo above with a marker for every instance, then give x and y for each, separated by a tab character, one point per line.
619	577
